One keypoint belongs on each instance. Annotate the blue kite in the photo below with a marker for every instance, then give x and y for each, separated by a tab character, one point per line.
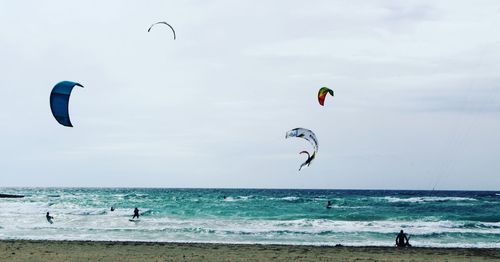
59	101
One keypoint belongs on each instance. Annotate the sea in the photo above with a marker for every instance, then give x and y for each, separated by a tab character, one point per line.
262	216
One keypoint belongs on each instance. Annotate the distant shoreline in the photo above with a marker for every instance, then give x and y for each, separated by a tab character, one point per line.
147	251
195	243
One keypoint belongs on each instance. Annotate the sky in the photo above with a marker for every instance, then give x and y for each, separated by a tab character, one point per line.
416	106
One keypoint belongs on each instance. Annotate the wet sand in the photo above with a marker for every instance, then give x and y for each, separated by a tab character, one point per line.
23	250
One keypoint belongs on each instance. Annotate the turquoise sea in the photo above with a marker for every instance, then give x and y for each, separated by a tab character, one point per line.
298	217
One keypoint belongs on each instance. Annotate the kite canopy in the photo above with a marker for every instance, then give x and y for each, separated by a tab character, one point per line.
322	94
310	137
165	23
59	101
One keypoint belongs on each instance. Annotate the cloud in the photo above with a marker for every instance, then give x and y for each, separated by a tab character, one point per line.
210	108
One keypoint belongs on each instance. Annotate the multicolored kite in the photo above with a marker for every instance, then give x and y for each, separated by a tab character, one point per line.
322	94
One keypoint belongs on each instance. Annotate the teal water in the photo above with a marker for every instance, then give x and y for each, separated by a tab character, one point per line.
357	217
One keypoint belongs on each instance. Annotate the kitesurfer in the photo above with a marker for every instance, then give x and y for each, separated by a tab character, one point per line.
136	213
402	240
329	205
49	217
308	161
112	209
310	137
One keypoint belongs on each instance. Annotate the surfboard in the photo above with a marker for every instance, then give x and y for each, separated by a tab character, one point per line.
134	220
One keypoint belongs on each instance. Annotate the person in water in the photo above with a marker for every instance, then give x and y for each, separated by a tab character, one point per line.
112	209
329	205
49	217
136	213
402	240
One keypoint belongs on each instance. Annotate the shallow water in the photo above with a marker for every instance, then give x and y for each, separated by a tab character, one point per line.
357	217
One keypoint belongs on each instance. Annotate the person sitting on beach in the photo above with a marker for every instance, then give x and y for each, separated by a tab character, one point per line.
329	205
136	213
402	240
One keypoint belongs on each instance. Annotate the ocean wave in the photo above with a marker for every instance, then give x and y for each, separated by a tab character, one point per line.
320	226
88	212
237	198
287	198
135	195
300	231
480	225
426	199
290	198
147	212
295	231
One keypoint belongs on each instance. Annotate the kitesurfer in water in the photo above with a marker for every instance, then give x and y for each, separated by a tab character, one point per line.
402	240
329	205
49	217
136	213
112	209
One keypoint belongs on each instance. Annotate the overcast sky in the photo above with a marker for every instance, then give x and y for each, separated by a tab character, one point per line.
416	106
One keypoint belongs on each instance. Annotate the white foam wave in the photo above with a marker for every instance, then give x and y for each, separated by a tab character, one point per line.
291	198
426	199
288	198
298	232
238	198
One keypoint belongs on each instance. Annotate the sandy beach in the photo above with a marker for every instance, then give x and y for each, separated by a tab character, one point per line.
24	250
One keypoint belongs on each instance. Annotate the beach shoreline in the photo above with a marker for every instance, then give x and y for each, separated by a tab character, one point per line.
44	250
